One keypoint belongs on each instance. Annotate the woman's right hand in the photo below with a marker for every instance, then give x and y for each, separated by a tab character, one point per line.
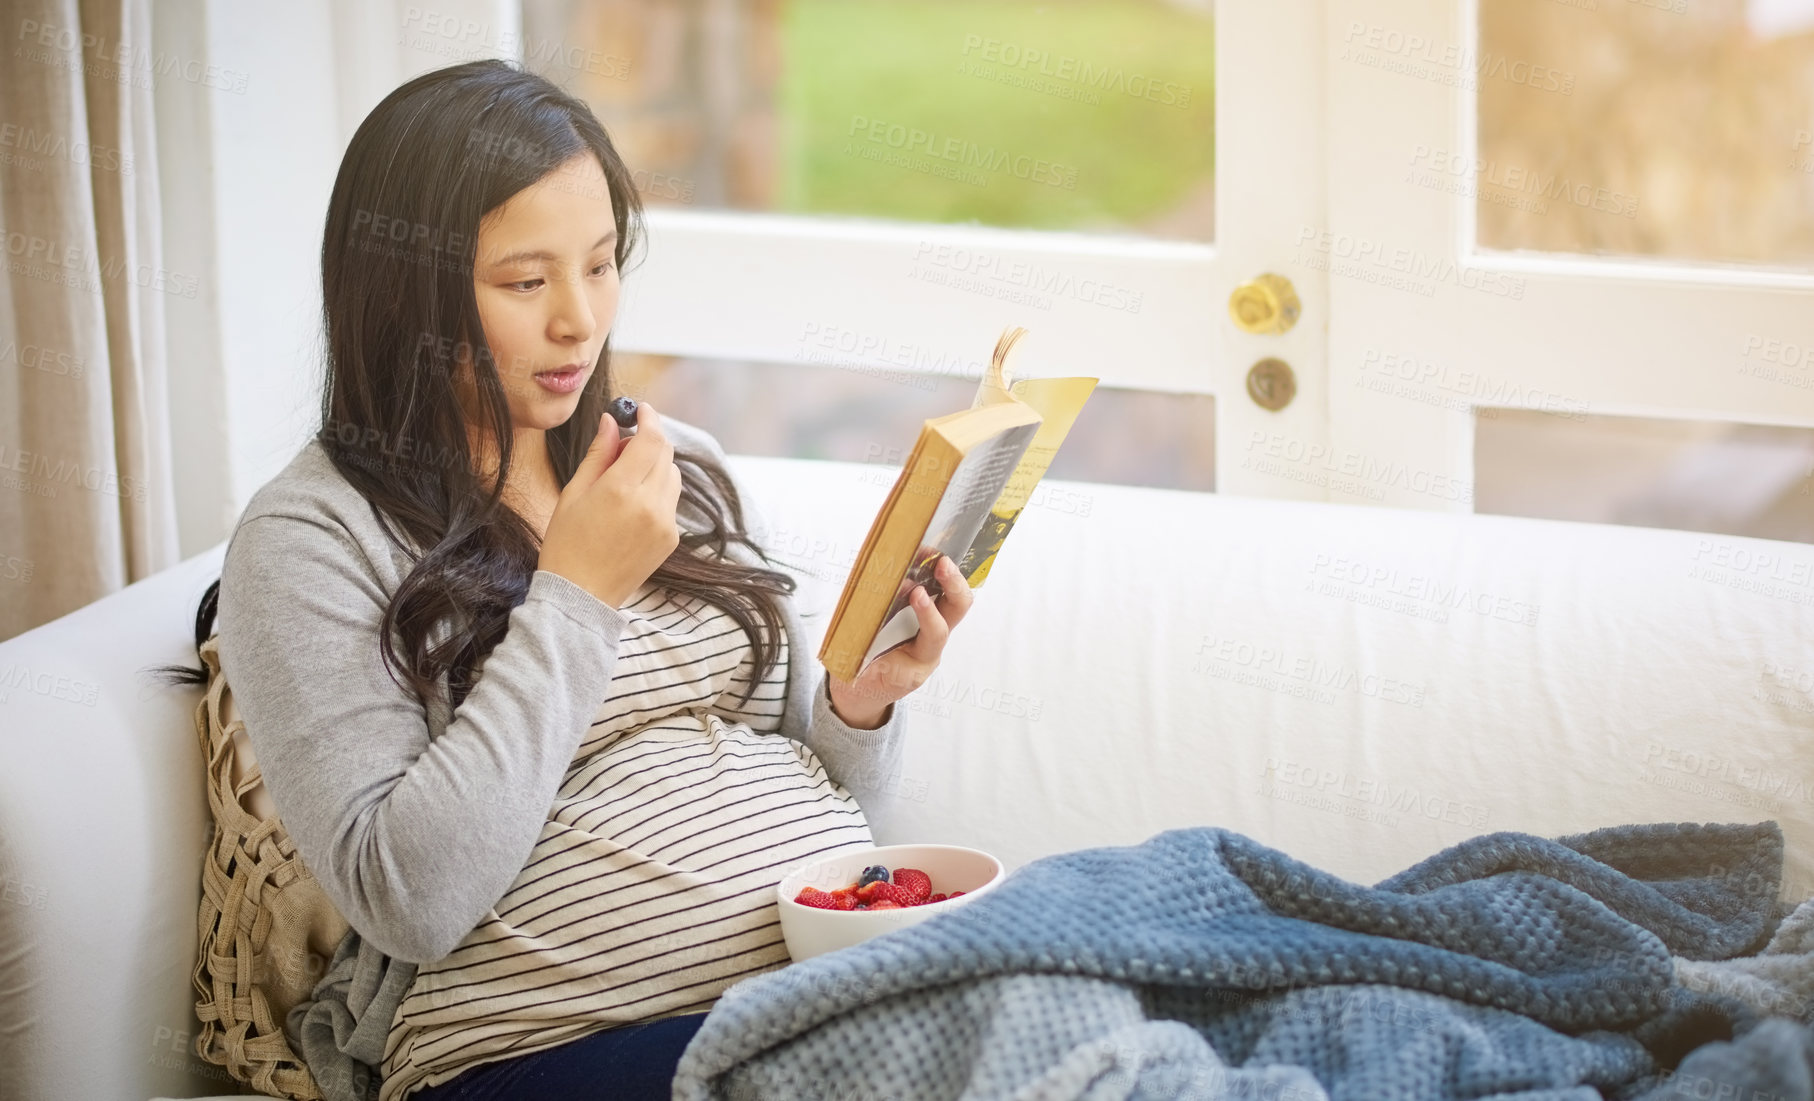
617	518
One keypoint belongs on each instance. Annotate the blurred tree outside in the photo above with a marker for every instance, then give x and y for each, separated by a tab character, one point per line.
1686	134
1088	115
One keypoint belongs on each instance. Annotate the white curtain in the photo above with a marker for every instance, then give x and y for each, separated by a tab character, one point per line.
87	500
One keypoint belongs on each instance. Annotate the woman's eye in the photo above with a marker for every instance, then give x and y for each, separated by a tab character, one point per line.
524	284
604	267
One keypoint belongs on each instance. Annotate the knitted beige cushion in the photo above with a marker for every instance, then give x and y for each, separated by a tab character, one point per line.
266	929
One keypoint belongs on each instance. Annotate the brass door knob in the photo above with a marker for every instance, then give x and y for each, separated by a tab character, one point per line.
1267	304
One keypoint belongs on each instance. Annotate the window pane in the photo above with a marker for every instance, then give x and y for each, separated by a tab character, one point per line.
1733	479
853	411
1681	130
1093	115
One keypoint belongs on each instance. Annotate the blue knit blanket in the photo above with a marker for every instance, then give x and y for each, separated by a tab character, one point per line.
1201	964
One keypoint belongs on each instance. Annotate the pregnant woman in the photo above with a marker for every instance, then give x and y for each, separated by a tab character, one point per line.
524	695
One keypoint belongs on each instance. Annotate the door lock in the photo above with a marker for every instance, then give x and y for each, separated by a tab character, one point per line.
1271	384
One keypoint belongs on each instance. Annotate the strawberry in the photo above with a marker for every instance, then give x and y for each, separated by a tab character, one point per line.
917	885
885	904
817	899
847	900
883	891
940	897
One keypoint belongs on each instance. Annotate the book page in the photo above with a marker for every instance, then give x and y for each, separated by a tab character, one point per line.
994	388
974	487
1058	401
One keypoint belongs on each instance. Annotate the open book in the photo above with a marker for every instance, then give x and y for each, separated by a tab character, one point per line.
963	485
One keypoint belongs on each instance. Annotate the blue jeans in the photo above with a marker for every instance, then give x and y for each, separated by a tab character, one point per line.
626	1063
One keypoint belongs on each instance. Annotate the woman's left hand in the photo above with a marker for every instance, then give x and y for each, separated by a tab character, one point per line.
863	702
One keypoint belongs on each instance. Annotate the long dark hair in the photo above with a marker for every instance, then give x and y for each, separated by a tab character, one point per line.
397	259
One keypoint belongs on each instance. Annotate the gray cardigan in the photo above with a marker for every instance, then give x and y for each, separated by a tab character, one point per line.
415	821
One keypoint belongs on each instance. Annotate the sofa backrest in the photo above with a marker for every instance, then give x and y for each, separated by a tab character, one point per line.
103	823
1358	687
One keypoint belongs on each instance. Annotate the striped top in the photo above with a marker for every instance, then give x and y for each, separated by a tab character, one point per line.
652	886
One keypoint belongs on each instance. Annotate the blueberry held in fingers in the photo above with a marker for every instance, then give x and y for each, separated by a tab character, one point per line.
623	411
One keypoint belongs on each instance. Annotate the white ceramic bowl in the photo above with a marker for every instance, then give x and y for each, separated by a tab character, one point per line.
811	932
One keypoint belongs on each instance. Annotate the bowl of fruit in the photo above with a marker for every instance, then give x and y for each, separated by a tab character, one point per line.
846	898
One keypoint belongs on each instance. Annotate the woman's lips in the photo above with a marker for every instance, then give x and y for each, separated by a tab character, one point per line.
563	381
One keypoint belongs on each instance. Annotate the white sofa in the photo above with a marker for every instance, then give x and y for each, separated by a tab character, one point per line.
1358	687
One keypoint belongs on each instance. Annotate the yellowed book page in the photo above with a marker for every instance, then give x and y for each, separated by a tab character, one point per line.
1058	401
994	385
